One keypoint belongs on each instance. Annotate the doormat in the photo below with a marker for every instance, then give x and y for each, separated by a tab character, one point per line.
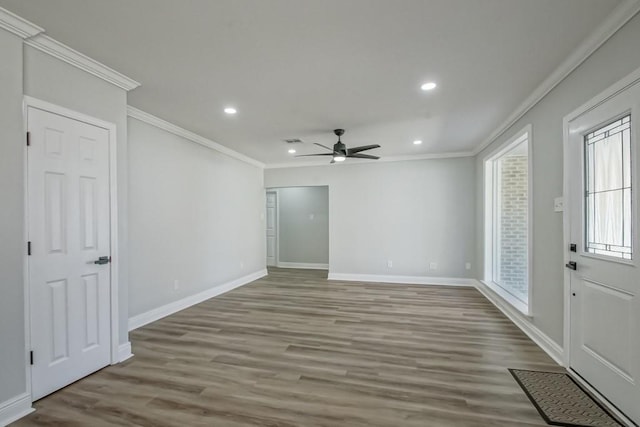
561	401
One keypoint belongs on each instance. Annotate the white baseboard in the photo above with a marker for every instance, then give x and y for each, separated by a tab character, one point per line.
15	408
552	348
124	352
306	265
410	280
158	313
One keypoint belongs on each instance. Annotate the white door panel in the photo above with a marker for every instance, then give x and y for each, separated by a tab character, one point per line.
68	196
272	228
605	307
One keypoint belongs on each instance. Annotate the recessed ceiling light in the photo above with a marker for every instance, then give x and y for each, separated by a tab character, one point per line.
428	86
230	110
417	142
291	151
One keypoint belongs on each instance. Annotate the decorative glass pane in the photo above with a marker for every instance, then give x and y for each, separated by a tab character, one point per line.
608	190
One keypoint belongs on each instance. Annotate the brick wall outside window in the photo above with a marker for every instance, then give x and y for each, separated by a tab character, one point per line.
513	225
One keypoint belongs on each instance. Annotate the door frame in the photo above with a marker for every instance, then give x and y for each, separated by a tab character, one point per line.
625	83
30	102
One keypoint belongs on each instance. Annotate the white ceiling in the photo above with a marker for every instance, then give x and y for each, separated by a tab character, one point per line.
300	68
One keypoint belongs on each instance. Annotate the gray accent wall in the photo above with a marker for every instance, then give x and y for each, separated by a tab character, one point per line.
615	59
409	212
303	224
12	246
196	217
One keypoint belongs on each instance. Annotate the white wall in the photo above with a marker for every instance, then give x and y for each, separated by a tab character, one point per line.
618	57
196	216
411	212
303	226
12	246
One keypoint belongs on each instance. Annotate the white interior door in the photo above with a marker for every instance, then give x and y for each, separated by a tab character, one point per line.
605	279
69	229
272	228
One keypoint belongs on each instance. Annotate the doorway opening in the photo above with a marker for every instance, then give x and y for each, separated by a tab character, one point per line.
297	227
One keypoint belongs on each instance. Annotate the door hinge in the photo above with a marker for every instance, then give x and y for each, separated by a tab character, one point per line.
28	139
28	248
31	357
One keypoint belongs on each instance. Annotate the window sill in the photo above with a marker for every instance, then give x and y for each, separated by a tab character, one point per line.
506	296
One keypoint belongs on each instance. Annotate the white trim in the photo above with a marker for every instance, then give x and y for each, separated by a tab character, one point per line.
616	19
600	397
17	25
113	223
305	265
540	338
124	352
15	408
405	158
505	295
188	135
142	319
63	52
409	280
26	282
630	80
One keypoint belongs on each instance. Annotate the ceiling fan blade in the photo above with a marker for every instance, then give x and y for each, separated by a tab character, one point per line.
363	156
362	148
321	154
323	146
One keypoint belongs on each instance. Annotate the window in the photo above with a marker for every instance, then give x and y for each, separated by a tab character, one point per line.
507	220
608	190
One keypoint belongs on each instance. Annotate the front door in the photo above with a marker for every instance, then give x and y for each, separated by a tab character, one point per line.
605	279
272	224
69	230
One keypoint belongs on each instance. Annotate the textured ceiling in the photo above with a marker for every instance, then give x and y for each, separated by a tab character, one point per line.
300	68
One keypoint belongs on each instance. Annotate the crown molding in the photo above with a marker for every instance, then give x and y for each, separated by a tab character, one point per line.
406	158
17	25
616	19
188	135
63	52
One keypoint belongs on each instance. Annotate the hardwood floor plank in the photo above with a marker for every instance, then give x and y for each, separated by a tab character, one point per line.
293	349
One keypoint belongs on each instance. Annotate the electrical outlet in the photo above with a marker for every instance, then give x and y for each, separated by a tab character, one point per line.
241	265
467	266
176	285
389	263
433	266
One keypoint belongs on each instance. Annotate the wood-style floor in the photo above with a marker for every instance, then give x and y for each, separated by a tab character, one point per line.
293	349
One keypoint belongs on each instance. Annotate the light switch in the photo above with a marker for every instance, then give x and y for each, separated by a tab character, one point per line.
558	204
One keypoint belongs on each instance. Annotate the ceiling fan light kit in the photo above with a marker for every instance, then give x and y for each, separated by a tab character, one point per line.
340	152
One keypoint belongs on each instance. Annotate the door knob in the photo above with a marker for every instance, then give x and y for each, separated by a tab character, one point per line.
103	260
571	265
